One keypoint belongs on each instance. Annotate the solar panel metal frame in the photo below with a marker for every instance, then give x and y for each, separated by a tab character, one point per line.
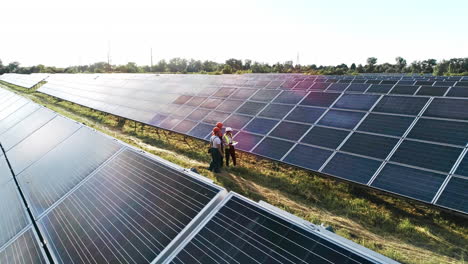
298	222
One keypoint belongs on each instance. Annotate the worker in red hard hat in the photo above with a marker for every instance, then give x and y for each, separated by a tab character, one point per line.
229	146
220	126
216	151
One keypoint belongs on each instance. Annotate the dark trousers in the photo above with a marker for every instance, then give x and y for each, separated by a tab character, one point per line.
216	160
230	152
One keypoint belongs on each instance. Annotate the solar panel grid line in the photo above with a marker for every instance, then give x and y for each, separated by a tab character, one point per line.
27	135
14	250
416	167
97	190
56	203
209	97
226	255
408	130
418	89
264	136
84	210
113	104
9	101
359	155
412	197
196	223
1	119
256	239
58	143
111	204
194	232
169	188
389	91
321	231
460	176
431	142
312	126
367	89
4	113
349	135
27	215
230	113
244	234
17	219
450	175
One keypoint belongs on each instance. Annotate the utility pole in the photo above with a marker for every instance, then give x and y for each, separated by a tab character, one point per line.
297	59
108	57
151	52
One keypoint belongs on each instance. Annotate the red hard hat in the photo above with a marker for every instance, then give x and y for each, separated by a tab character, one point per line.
216	129
219	124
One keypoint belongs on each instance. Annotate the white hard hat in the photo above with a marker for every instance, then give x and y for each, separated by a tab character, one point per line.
228	129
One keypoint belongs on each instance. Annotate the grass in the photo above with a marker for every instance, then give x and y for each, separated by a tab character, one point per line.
402	229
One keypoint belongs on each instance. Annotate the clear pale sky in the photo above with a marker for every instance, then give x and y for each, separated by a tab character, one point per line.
63	33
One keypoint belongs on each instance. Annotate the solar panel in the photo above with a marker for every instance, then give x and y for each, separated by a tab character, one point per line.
277	111
74	159
25	127
129	211
5	173
24	249
372	120
40	142
353	168
300	156
23	80
454	195
241	231
419	184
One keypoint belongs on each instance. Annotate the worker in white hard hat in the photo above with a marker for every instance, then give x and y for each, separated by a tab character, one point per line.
229	146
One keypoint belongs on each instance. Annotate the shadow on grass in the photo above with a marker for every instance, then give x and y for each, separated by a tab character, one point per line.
408	221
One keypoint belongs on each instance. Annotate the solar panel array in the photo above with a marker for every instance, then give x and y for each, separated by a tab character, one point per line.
406	135
69	194
24	80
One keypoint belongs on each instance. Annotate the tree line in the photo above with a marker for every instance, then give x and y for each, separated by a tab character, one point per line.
456	66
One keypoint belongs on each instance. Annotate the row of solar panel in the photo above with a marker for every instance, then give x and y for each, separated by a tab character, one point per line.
96	200
23	80
209	98
438	88
258	81
396	113
300	128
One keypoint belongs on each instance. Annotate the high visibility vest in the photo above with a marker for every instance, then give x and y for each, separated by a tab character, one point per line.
227	140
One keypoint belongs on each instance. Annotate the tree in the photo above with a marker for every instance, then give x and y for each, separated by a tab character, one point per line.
353	67
441	68
13	67
400	64
209	66
194	66
371	62
177	65
427	66
227	69
360	68
247	64
161	66
236	65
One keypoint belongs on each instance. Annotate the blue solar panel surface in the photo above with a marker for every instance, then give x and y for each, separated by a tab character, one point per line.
373	118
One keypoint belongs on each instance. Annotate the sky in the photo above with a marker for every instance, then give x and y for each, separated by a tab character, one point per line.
63	33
